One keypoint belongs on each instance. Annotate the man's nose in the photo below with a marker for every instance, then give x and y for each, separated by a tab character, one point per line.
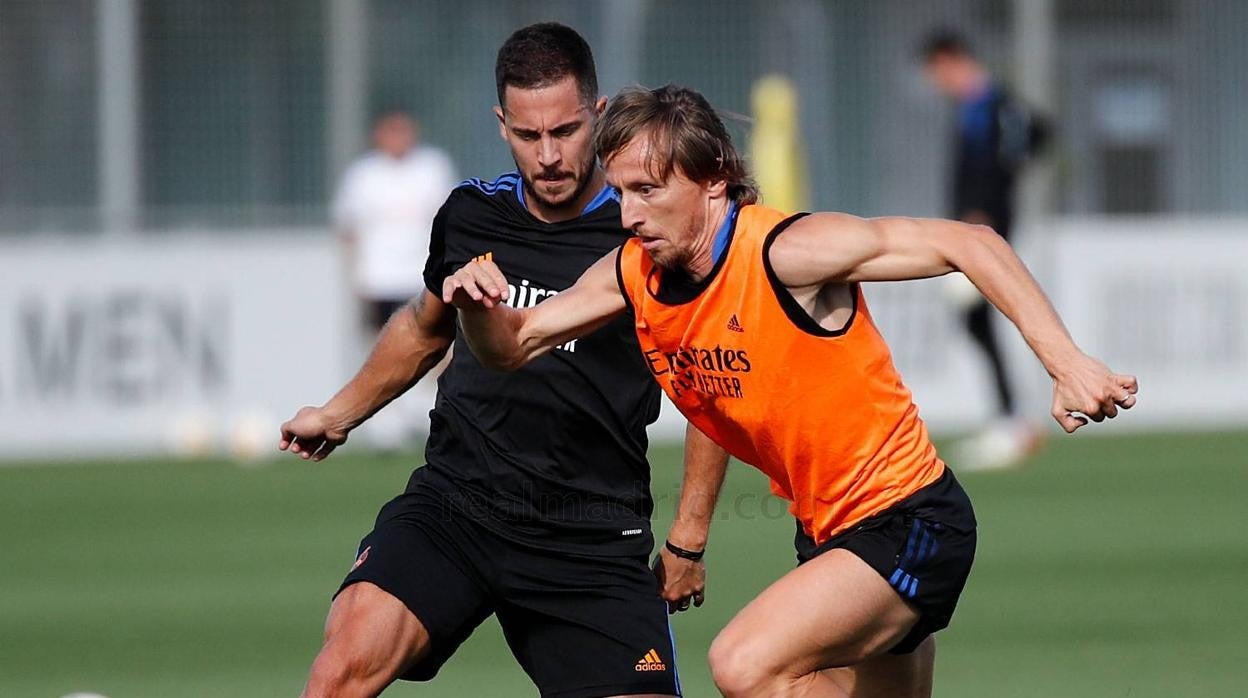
548	154
630	211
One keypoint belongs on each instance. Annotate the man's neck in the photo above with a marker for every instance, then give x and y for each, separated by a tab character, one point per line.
979	86
702	260
572	209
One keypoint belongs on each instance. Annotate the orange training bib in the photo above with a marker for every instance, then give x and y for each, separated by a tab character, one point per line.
823	413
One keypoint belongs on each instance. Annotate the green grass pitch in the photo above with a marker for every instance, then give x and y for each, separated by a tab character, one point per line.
1110	566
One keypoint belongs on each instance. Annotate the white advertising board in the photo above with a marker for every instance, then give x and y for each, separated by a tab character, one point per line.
140	346
197	342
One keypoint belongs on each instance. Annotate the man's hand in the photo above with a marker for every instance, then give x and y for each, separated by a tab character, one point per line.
477	283
312	434
1086	389
681	581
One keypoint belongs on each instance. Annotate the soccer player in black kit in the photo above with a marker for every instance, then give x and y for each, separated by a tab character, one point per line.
995	137
535	503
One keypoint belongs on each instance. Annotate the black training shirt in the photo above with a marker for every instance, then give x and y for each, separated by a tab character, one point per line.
555	452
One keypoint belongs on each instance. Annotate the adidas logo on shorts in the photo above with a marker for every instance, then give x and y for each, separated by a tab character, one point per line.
650	662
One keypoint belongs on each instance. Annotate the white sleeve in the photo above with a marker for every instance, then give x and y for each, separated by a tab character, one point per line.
447	179
346	206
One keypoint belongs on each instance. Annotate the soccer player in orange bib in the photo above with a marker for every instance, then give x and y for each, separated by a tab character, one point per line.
756	326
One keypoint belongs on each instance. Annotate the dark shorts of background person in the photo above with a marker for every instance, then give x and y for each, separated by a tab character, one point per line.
923	546
579	625
378	310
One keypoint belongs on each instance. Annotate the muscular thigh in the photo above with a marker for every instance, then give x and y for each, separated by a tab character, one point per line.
864	601
833	611
368	622
429	570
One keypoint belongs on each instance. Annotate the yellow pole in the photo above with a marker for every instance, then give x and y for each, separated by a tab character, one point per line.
775	145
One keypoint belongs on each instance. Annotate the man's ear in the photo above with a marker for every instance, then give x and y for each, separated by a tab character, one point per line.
502	122
600	106
717	188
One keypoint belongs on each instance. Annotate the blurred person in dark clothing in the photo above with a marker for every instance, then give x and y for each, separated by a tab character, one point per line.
993	139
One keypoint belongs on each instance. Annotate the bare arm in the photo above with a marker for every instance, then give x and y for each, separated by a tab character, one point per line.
827	248
705	466
681	579
414	340
505	338
830	248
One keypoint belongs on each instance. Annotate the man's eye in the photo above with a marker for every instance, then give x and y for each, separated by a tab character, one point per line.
645	190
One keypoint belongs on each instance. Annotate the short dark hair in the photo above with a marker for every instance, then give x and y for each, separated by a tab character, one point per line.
540	55
944	42
387	113
684	132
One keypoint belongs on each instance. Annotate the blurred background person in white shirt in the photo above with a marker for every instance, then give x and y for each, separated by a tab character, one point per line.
383	212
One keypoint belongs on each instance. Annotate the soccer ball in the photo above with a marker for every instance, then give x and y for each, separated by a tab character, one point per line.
191	434
253	433
959	291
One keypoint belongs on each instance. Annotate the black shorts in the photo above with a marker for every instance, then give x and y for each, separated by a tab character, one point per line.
923	546
580	625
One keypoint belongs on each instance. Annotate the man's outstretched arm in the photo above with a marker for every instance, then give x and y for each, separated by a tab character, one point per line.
413	341
830	248
505	338
681	579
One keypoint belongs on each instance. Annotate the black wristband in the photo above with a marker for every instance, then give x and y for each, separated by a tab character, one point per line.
694	555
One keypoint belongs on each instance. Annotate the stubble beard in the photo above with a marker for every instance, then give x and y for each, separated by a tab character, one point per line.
581	178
